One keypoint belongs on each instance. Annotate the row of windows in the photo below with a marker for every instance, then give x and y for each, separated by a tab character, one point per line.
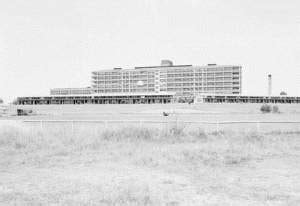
122	85
119	78
71	91
169	71
170	88
202	87
234	79
185	69
169	77
124	90
198	84
180	74
199	79
120	82
223	90
201	74
150	84
104	73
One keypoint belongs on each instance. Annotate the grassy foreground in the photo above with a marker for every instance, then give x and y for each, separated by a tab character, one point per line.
147	166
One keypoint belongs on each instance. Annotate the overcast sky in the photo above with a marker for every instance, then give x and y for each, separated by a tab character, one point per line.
57	43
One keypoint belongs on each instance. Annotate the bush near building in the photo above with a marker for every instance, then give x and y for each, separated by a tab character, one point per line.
265	108
275	109
268	108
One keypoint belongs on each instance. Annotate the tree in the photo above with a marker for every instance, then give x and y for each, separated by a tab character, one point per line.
1	101
265	108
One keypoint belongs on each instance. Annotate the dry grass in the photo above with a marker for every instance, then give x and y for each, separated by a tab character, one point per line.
136	165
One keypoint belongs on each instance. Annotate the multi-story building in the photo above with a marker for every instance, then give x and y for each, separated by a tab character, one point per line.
184	80
160	84
71	91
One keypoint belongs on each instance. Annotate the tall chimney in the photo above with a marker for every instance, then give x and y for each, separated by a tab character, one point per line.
270	85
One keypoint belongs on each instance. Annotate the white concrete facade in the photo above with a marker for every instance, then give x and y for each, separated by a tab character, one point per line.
184	80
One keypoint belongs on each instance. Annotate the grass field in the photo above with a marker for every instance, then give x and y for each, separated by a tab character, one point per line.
133	164
178	113
144	166
195	112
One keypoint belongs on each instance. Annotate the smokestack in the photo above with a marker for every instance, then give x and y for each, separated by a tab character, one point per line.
270	85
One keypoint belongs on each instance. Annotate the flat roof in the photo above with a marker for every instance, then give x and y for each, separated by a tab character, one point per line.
71	88
105	94
240	95
150	67
165	67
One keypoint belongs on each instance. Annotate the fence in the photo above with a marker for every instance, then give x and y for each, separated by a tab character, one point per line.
94	126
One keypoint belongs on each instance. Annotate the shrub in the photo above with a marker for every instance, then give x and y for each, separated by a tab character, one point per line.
199	133
265	108
130	133
176	130
181	100
275	109
253	137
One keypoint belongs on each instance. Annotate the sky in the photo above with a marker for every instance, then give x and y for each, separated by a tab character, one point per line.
57	43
